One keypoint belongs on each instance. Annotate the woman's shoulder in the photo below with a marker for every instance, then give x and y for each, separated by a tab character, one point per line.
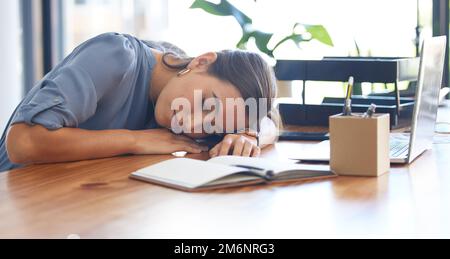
107	48
111	43
108	37
113	38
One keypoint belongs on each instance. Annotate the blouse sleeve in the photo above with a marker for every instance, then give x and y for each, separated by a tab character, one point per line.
70	96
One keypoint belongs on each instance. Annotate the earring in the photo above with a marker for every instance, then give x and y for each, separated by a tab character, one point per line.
184	72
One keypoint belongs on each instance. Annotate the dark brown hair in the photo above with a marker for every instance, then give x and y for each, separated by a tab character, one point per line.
247	71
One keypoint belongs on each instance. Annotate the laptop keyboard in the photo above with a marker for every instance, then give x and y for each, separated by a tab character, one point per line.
399	149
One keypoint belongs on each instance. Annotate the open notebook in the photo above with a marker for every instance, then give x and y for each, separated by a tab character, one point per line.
227	171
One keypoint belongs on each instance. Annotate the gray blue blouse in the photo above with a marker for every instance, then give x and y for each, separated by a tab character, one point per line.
103	84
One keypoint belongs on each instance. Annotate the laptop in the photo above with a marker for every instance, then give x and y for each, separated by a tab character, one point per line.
406	148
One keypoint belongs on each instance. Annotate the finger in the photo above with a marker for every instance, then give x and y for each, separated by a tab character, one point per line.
239	146
215	151
256	152
190	149
194	144
248	148
226	147
204	148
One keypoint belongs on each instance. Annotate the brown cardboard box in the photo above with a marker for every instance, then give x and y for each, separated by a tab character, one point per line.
360	146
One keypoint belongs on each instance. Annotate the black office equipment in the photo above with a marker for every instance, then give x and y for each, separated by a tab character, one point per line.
318	115
339	69
304	136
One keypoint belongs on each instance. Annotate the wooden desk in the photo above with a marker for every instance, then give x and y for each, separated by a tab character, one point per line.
95	199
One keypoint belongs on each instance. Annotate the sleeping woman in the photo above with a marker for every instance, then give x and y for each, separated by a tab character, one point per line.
116	95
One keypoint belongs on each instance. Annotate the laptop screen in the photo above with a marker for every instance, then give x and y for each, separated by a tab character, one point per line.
427	96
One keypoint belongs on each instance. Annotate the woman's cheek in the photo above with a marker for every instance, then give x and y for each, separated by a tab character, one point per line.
163	115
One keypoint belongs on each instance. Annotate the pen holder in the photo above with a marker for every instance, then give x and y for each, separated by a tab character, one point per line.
360	146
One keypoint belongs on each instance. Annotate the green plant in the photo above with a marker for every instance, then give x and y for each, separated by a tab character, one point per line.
262	39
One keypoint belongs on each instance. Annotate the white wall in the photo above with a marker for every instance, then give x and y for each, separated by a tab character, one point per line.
10	59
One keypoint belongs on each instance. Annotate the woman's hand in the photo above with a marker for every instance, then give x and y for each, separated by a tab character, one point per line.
237	145
163	142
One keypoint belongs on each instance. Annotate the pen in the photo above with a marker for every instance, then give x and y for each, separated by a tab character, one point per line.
348	100
371	111
258	141
269	174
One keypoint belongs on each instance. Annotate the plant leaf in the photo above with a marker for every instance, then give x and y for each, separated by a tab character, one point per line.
262	40
318	32
297	38
224	8
242	44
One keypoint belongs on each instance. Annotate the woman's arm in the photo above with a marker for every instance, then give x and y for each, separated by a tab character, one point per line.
37	145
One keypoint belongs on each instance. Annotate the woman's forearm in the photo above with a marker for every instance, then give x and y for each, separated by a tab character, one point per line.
36	145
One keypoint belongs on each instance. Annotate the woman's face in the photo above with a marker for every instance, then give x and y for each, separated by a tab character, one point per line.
195	89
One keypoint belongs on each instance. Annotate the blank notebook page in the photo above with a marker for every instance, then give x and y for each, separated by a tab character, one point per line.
187	172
